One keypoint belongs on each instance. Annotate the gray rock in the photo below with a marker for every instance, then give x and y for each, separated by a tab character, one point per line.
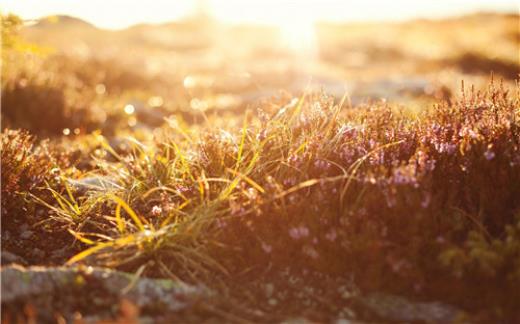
400	309
21	284
26	234
97	319
345	321
298	320
149	116
6	236
38	253
94	183
10	258
152	117
59	254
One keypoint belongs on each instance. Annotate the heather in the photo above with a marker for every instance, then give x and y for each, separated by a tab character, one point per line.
302	204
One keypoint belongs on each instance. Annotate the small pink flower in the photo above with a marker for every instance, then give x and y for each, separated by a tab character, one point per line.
298	232
304	231
156	210
294	233
262	135
267	248
322	165
331	235
221	223
426	201
489	155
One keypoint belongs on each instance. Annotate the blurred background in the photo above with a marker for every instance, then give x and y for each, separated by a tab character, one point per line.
126	65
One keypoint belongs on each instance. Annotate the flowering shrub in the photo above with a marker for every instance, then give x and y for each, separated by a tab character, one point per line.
397	200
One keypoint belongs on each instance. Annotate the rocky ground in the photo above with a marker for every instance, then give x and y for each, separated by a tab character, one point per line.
100	295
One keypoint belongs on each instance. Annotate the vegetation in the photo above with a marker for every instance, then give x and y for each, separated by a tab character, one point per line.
417	202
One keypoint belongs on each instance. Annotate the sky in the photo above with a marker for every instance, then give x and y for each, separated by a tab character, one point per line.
116	14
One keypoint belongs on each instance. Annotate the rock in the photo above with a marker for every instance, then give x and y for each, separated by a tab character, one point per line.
343	321
149	116
26	234
94	183
399	309
273	301
298	320
38	253
61	289
59	254
10	258
133	320
6	236
269	290
152	117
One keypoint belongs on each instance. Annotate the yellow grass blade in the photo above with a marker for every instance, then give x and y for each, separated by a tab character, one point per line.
242	141
83	254
109	148
80	237
246	179
298	107
185	164
119	219
130	212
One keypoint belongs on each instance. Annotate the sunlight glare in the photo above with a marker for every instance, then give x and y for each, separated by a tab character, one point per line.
298	35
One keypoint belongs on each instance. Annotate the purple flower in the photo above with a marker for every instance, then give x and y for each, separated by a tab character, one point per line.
298	232
489	155
294	233
262	135
289	182
426	200
295	160
221	223
322	165
468	132
267	248
448	148
331	235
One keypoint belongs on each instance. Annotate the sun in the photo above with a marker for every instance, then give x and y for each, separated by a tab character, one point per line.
298	35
